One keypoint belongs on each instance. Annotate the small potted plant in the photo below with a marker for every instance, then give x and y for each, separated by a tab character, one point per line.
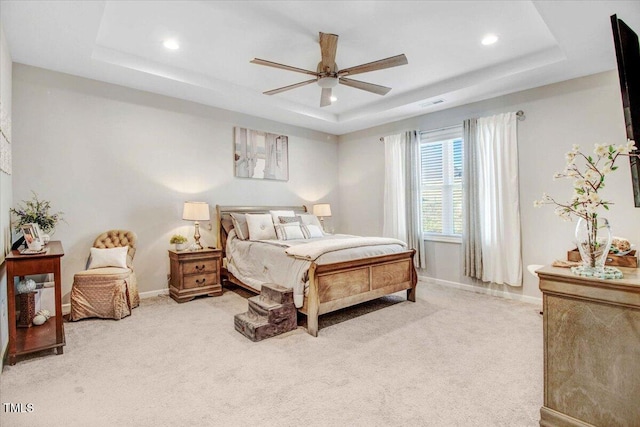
180	241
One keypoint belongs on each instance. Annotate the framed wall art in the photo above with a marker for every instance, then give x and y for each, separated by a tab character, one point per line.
261	155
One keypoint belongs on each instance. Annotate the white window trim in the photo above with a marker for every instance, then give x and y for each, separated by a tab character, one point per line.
446	238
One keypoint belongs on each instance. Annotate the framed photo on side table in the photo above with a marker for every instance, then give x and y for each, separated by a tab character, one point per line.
32	236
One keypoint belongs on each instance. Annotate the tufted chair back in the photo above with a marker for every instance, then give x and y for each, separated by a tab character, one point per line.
117	239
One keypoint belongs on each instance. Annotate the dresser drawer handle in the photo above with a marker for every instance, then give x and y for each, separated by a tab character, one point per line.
200	267
200	282
609	259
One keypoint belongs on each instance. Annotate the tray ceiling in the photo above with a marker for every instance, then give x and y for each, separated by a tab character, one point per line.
121	42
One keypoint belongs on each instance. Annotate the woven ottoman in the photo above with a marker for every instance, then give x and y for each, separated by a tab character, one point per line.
104	293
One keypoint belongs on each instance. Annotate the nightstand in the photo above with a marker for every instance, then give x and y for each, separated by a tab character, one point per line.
195	273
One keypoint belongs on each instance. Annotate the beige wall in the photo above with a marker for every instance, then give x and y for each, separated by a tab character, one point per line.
113	157
582	111
109	156
5	192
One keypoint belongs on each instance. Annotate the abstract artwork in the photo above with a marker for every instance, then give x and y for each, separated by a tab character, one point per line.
261	155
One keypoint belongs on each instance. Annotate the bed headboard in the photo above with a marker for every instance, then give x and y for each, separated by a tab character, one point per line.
224	223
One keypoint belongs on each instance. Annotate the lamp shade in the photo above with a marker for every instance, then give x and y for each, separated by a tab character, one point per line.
195	211
322	209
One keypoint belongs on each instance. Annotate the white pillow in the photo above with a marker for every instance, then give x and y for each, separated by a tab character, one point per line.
276	214
260	227
289	231
310	219
112	257
240	225
311	231
289	220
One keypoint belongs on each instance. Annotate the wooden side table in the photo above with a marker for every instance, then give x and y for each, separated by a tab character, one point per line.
51	333
195	273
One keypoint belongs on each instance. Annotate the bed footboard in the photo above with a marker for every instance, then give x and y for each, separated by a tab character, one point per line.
343	284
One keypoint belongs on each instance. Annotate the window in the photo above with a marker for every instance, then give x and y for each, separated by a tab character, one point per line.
441	184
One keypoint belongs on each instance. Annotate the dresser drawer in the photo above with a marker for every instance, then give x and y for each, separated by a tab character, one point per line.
199	267
200	280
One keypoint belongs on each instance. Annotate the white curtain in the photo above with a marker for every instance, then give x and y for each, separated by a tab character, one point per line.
402	215
496	209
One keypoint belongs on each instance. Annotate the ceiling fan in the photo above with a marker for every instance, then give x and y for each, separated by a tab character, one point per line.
328	75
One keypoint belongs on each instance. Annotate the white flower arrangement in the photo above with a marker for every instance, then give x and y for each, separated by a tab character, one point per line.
588	173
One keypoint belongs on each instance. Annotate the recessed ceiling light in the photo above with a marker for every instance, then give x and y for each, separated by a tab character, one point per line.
171	44
489	39
333	99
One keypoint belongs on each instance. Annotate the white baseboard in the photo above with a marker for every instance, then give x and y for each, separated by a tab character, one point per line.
66	308
156	293
479	290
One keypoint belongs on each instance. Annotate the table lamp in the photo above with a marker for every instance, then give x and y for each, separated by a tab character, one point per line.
321	210
196	211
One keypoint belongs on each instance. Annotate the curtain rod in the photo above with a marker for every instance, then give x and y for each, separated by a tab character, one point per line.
519	114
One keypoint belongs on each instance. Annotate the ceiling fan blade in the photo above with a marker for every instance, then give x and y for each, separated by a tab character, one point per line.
325	98
369	87
282	66
393	61
285	88
328	47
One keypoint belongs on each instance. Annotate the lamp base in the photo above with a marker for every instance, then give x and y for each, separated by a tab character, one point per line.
196	237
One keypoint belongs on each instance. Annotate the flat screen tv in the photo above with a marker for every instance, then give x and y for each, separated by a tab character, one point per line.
628	56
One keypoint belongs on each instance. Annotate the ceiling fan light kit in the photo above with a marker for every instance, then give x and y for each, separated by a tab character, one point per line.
329	76
327	82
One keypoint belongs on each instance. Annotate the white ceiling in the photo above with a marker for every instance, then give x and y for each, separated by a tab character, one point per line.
120	42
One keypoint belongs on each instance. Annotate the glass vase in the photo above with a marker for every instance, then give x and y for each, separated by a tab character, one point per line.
593	237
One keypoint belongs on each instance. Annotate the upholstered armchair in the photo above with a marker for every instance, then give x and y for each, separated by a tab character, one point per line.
107	288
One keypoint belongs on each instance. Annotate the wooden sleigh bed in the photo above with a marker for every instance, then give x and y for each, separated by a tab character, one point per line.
336	285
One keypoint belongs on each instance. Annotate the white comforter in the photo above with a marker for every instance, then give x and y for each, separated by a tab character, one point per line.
315	249
258	262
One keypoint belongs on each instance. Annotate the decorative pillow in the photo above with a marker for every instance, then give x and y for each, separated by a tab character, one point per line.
240	225
112	257
289	220
260	227
307	219
311	231
227	223
289	231
275	215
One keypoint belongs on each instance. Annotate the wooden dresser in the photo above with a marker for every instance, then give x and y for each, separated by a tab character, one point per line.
591	349
195	273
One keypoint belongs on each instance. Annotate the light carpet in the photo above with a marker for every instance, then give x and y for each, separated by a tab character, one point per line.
453	358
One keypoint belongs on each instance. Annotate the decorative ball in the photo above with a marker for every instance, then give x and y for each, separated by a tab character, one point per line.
25	286
39	320
44	313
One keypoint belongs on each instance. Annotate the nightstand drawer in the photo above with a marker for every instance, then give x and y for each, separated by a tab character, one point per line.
200	280
199	267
